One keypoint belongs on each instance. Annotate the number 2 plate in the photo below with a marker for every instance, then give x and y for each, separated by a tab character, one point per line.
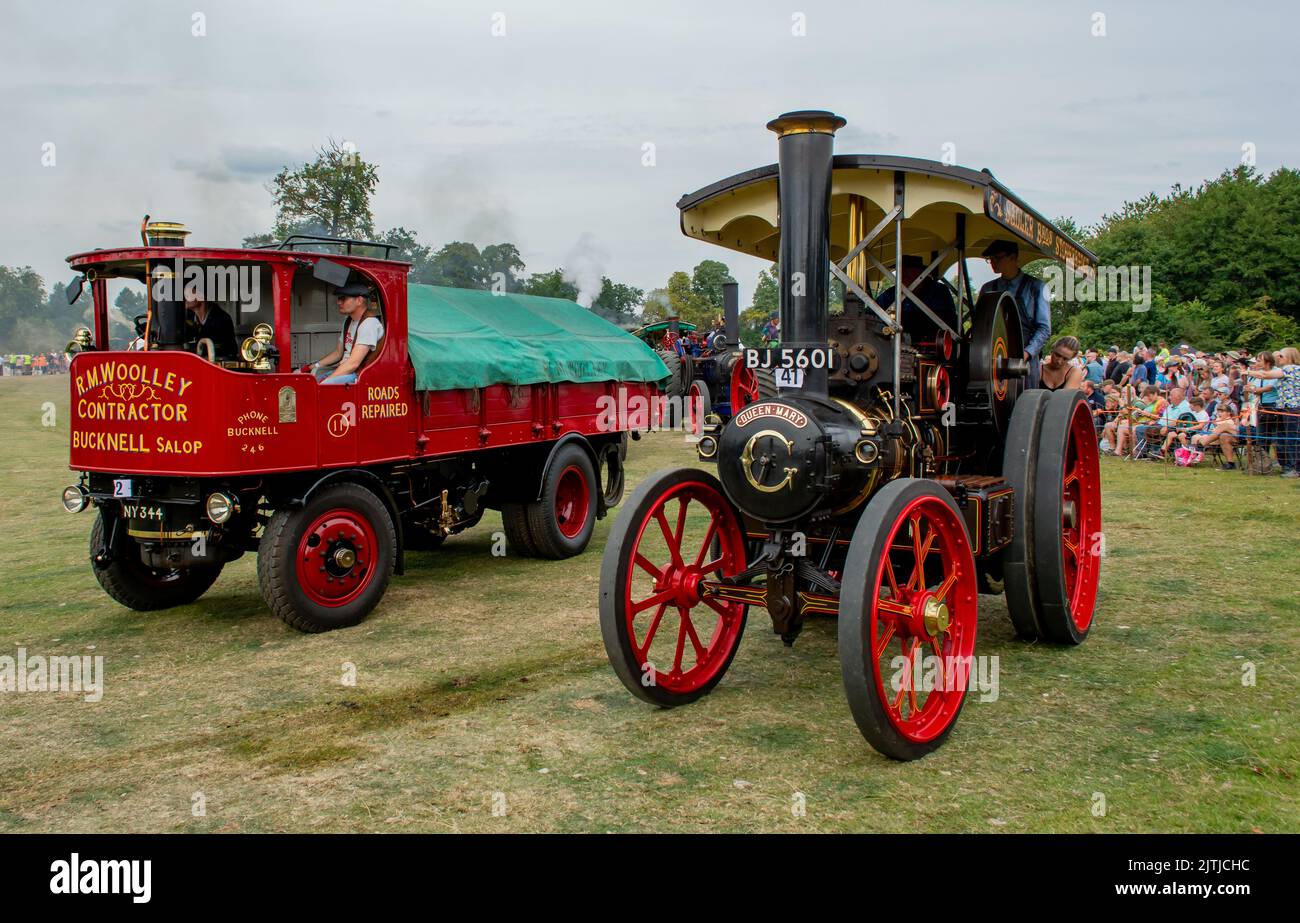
121	487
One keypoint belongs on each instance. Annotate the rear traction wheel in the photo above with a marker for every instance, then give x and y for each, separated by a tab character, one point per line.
1067	519
1020	468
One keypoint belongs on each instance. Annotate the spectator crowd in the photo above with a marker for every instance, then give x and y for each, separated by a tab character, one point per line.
1232	409
51	363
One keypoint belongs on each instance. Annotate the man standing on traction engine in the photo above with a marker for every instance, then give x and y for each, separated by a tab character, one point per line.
1031	300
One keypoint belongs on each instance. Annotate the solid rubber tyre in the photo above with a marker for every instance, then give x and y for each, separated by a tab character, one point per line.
1067	519
1019	467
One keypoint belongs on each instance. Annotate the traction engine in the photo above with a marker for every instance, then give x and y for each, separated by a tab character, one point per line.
890	481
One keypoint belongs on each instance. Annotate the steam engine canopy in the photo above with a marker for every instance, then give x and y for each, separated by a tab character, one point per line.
782	459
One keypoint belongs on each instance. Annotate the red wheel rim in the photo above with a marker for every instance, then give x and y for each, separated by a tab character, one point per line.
336	557
572	501
910	637
689	535
694	408
744	388
1081	517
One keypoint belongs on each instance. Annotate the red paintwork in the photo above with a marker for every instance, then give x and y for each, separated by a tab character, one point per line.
572	501
1081	485
324	581
231	419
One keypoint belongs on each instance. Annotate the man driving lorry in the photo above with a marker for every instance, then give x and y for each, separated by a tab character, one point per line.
362	331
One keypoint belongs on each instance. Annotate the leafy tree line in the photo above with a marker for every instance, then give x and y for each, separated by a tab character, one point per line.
34	319
1225	266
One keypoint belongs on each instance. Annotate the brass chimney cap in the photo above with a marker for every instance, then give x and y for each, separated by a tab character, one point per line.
805	121
166	233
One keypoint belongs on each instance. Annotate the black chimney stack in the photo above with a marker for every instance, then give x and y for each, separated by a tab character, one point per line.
168	312
807	141
731	313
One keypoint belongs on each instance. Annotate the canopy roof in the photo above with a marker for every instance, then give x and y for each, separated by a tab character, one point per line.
740	212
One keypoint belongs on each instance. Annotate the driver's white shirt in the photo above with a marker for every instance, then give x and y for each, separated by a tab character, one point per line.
367	333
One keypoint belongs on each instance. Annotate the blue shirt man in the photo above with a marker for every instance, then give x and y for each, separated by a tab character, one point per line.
1030	294
1095	369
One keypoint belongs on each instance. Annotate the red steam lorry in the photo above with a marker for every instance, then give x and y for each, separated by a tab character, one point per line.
470	401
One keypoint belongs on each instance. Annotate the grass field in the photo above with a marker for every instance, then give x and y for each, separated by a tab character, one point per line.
482	681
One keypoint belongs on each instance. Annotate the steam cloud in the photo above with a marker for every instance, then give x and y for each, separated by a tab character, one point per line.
584	267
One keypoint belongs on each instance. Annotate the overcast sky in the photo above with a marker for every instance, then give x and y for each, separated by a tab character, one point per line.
536	136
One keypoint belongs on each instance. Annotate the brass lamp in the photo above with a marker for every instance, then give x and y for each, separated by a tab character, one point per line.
80	342
258	348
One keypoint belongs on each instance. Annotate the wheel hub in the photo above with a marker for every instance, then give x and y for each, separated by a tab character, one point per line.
685	585
344	557
930	614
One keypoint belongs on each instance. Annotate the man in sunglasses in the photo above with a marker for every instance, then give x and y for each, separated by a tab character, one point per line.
1030	294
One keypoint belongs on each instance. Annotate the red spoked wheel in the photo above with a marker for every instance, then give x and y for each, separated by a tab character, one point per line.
1067	519
744	388
698	406
336	557
669	642
908	614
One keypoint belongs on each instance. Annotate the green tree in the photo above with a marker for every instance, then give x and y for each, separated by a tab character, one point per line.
765	303
331	193
654	306
618	302
460	265
767	292
22	295
685	303
503	261
551	285
407	247
707	281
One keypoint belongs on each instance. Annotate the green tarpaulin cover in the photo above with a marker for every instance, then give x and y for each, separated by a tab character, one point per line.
465	338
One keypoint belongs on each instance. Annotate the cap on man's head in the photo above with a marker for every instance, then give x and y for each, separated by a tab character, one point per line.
352	289
1001	248
1113	349
913	262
